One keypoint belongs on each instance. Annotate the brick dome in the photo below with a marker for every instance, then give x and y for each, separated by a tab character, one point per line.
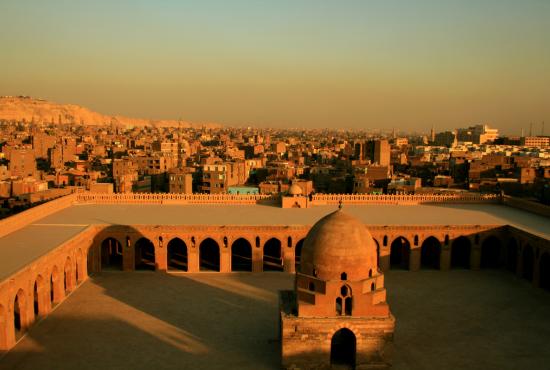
294	190
339	243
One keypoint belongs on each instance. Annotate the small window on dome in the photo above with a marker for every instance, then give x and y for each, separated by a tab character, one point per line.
370	273
344	276
372	287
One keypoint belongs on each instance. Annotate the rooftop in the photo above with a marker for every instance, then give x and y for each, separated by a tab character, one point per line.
25	245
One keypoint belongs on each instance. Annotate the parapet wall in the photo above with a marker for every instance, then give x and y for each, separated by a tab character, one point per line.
170	198
331	199
526	205
15	222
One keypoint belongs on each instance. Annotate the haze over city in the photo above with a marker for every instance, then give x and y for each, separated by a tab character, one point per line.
353	64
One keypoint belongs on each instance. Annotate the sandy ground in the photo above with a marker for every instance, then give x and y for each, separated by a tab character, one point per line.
145	320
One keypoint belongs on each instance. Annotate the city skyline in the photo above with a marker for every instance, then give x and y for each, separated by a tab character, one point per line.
365	65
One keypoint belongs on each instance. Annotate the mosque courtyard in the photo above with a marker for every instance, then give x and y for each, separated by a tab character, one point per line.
459	319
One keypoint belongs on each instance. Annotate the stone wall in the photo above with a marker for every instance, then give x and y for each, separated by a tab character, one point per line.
17	221
332	199
172	198
526	205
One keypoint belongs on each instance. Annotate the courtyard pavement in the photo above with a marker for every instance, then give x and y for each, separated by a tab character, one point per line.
145	320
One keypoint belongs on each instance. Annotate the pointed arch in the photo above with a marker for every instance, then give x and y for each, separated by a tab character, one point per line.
111	254
177	255
512	255
298	254
209	255
343	346
430	253
20	318
144	250
528	262
400	251
39	296
491	252
241	255
460	252
273	258
544	271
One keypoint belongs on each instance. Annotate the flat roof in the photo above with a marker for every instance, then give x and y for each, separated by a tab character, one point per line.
25	245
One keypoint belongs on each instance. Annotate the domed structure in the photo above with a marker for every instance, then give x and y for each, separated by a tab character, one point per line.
294	190
339	244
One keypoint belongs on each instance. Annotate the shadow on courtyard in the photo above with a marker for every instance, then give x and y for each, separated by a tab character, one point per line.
145	320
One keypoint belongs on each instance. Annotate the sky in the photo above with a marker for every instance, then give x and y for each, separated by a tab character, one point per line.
360	64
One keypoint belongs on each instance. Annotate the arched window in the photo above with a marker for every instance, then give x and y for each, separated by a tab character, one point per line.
416	240
312	286
347	306
385	242
370	273
289	242
343	276
339	306
372	287
346	299
446	239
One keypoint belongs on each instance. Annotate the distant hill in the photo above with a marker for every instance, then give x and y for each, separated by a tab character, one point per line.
19	108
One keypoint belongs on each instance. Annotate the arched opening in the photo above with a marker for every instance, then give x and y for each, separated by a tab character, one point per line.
19	311
3	324
35	299
528	261
512	255
68	276
342	349
347	306
491	253
544	271
339	306
460	253
241	255
177	255
111	254
145	255
343	276
55	293
400	253
38	296
91	268
79	276
298	254
273	260
209	255
430	251
377	252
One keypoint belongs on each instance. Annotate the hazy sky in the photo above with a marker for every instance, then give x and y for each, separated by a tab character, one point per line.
286	63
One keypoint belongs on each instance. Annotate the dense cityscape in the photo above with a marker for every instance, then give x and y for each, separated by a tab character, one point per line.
41	161
275	185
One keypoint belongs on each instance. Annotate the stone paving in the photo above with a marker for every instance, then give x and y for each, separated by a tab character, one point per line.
145	320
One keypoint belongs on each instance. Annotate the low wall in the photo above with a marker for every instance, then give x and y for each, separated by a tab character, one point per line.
19	220
526	205
331	199
169	198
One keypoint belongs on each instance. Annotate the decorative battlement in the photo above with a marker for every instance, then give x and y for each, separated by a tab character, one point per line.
315	200
171	198
335	199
